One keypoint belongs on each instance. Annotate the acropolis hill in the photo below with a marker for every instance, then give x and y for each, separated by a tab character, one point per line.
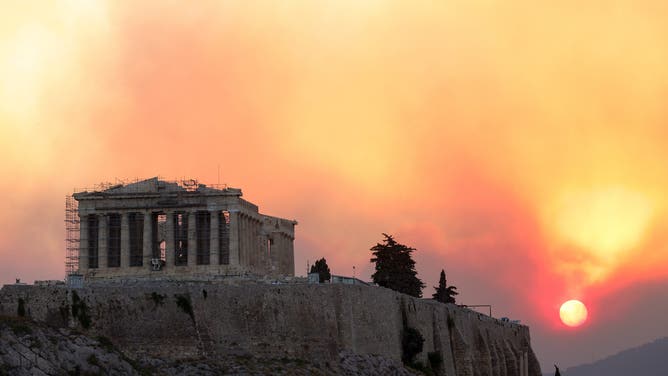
231	306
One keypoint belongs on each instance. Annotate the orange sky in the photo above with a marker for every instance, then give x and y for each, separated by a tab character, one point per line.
518	144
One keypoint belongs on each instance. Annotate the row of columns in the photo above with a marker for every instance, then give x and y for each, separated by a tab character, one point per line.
252	251
257	252
147	239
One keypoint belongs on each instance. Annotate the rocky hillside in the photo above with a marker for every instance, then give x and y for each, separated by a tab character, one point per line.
31	348
262	328
647	360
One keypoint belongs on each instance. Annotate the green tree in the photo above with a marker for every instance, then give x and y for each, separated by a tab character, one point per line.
395	268
445	293
322	269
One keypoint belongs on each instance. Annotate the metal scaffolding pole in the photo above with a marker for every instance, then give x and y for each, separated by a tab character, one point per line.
71	235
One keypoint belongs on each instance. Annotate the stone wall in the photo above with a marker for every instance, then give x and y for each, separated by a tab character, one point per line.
298	321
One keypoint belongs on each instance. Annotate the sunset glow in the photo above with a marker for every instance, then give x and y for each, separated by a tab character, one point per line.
605	224
523	153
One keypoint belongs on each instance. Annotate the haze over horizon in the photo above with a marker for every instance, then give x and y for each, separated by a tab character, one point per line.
519	145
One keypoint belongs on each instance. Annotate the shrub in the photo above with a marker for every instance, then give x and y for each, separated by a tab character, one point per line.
75	304
76	371
183	302
92	360
411	344
21	310
435	359
20	328
35	343
451	322
418	366
6	370
157	298
64	313
105	343
80	311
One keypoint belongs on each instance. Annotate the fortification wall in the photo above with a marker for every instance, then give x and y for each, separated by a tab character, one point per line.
299	321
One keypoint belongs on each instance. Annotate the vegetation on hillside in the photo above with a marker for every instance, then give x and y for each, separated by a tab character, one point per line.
395	268
322	269
444	293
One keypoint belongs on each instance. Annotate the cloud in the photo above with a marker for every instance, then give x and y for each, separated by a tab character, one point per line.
460	128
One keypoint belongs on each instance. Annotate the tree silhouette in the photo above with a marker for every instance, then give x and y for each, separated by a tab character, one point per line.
322	269
444	293
395	268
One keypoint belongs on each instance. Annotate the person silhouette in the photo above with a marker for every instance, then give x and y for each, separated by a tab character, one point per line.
556	373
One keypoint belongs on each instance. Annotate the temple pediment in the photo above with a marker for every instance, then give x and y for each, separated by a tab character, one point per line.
156	186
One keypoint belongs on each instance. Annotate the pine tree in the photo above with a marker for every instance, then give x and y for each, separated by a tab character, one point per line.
322	269
445	293
395	268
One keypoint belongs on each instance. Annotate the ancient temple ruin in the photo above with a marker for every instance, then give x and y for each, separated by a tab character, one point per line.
156	228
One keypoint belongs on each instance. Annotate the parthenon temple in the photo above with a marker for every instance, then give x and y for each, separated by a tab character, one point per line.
178	229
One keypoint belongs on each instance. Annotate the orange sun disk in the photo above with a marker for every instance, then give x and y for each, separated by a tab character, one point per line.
573	313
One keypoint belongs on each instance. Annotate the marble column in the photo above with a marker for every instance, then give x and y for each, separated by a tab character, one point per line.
243	255
147	239
249	241
83	243
255	244
289	255
285	261
250	250
243	246
214	242
170	246
103	245
234	237
260	247
240	240
192	238
125	240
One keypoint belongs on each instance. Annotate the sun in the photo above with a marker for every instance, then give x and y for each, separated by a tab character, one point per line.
573	313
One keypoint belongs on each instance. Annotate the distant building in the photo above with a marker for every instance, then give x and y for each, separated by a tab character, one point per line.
348	280
160	228
314	278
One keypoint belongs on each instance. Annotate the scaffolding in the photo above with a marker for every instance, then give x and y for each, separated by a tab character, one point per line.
71	235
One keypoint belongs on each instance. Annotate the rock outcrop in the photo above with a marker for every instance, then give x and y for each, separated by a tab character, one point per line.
337	329
28	348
